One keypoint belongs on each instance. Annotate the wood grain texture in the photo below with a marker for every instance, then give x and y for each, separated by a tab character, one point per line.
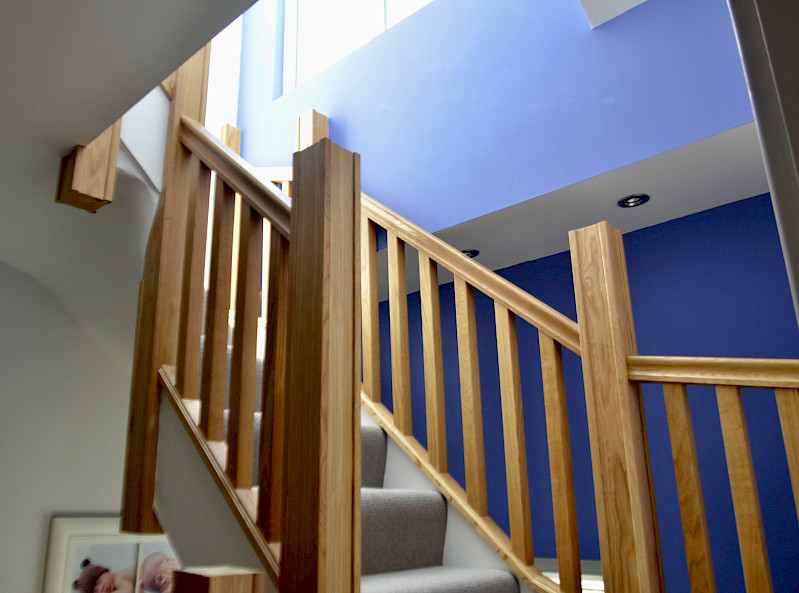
455	494
87	175
788	407
269	201
370	317
741	372
218	580
510	383
242	365
625	502
689	489
398	323
312	126
272	460
527	307
319	555
433	363
745	498
193	292
156	341
471	403
560	465
214	365
266	553
231	137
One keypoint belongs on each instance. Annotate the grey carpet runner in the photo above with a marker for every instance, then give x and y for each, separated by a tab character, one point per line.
402	536
402	531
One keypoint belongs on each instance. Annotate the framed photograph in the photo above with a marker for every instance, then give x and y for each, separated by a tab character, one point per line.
91	555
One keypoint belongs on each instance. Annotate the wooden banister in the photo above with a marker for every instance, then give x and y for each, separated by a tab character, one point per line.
522	304
742	372
264	197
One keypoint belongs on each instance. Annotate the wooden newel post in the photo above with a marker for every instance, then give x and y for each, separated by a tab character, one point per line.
321	532
625	502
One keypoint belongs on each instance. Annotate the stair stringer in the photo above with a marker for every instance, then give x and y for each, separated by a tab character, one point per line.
196	515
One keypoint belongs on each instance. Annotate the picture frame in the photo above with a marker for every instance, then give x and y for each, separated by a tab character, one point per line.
136	563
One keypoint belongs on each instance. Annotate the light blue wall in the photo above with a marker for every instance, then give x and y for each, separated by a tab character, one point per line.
520	93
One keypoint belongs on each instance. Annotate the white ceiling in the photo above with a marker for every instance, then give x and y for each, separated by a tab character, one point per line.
69	69
601	11
713	171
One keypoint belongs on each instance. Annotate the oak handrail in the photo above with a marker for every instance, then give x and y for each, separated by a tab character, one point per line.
740	372
524	305
263	196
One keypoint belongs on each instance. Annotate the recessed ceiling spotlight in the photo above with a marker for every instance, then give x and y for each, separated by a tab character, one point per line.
470	252
633	200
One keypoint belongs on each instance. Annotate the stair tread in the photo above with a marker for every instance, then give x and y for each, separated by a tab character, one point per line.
441	579
401	529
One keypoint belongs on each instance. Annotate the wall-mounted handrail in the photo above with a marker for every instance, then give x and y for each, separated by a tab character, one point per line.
521	303
262	195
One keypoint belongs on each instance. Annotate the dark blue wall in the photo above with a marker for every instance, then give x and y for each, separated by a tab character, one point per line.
523	92
710	284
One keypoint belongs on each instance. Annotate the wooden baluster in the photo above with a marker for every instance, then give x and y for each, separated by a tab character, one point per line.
321	541
191	303
273	427
472	411
560	465
433	364
745	498
626	517
398	317
369	305
521	529
242	365
214	374
788	407
231	137
689	488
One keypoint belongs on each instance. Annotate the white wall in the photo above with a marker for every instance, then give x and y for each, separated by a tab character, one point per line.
63	422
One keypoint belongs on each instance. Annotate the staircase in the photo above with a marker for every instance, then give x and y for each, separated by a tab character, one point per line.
403	536
320	519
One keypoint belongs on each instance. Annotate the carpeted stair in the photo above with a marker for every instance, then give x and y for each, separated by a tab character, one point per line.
403	536
403	530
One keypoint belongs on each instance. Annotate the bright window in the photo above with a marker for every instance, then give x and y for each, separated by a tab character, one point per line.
318	33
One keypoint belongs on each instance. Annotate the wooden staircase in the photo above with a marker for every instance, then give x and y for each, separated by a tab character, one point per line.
322	362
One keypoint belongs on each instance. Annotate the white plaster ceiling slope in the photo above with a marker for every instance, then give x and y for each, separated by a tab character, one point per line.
68	70
601	11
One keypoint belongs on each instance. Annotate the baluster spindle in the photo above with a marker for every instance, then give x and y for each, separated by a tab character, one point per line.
272	460
689	488
433	364
214	374
472	410
242	367
521	530
788	407
370	329
560	464
191	299
398	316
745	498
